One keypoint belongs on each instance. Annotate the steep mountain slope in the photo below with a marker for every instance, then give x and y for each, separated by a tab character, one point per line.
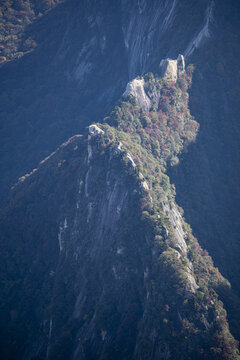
97	252
84	55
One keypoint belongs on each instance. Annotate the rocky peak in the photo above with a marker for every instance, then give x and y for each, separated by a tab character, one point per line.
180	63
136	89
95	130
171	68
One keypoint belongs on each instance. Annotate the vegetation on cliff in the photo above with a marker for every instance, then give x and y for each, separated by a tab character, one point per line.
122	258
15	17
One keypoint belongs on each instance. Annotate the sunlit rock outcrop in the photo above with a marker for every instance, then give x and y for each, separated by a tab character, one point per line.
170	68
136	89
95	130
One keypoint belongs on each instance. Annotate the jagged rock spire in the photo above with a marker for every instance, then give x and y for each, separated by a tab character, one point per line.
171	68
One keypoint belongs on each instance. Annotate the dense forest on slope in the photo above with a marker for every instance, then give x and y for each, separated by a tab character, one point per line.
126	279
15	17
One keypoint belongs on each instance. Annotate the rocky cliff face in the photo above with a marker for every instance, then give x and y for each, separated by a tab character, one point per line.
83	55
97	252
82	51
171	68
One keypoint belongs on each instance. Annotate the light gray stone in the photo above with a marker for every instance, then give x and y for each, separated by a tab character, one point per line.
95	130
144	186
136	89
168	68
172	68
131	161
180	63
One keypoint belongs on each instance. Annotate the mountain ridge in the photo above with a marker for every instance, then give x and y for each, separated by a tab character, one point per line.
85	54
112	228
